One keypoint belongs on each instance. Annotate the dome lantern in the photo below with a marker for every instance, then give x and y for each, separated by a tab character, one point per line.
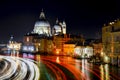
42	15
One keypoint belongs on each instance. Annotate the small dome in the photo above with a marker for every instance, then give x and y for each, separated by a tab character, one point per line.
57	27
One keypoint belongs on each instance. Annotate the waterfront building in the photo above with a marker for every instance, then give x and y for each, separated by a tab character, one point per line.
111	41
83	51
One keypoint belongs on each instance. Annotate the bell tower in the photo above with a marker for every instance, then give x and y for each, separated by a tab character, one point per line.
64	27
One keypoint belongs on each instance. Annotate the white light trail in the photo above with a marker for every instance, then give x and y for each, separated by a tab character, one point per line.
16	68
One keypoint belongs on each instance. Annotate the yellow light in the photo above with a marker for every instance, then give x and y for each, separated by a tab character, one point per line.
38	58
101	53
57	60
57	51
27	39
106	59
102	72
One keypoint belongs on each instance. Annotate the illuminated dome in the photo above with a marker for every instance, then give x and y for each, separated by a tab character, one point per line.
42	23
57	28
42	26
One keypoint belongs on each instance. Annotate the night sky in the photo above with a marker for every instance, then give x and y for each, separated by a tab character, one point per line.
17	17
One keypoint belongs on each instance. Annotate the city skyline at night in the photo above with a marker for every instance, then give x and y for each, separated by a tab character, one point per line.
60	40
84	17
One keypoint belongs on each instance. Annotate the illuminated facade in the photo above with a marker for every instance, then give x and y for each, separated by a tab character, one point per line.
59	41
36	43
98	47
13	47
83	51
111	41
69	49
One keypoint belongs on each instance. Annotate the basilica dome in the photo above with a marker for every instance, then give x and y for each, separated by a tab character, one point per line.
42	23
42	26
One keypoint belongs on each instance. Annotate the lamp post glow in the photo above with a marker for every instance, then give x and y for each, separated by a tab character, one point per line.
106	59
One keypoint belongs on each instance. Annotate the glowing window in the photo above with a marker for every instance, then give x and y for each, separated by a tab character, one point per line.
27	39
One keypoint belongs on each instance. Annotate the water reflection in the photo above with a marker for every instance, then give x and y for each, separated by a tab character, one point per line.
104	70
57	60
107	76
89	71
37	58
14	54
85	66
28	55
77	64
